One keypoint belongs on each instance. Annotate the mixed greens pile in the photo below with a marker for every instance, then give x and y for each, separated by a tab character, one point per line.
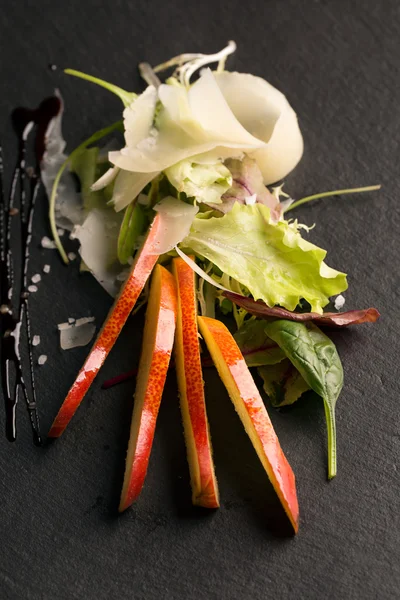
202	154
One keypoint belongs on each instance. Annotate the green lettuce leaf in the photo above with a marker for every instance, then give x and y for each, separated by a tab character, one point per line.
205	183
271	259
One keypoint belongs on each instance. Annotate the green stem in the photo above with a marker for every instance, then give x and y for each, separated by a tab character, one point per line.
52	204
370	188
331	431
126	97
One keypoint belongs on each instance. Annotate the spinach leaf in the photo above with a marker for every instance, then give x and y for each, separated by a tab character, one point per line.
315	357
282	383
257	348
132	227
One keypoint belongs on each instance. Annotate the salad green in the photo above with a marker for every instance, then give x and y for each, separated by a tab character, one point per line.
203	154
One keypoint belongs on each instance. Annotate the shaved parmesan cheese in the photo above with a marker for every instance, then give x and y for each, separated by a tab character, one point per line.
193	121
98	247
83	321
105	179
68	206
80	333
176	221
265	112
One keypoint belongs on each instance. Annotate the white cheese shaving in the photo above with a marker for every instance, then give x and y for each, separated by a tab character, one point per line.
75	334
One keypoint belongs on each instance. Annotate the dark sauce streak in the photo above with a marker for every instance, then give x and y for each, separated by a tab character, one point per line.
14	313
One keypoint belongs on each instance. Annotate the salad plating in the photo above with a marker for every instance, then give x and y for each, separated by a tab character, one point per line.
187	194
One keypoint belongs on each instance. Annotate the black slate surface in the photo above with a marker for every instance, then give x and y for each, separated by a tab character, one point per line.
339	64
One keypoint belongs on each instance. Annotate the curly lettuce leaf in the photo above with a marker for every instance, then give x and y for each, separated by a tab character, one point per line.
271	259
205	183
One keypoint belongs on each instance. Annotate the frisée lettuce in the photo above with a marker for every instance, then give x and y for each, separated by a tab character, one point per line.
271	259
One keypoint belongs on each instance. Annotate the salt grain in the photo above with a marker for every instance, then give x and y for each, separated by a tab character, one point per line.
46	269
48	243
36	278
71	320
42	359
36	340
32	288
71	255
339	302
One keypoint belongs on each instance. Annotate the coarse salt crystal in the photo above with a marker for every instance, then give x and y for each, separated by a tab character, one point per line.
42	359
36	278
250	200
48	243
71	255
32	288
71	320
339	302
46	269
36	340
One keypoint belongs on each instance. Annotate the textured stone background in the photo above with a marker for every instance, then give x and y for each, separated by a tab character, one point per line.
338	62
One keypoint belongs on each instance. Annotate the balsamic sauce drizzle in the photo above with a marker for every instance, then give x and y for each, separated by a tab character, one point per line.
14	309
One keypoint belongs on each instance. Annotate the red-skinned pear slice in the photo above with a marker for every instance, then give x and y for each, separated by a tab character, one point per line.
248	403
141	268
191	389
158	340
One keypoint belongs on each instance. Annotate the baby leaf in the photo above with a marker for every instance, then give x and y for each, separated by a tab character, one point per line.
282	383
132	227
328	319
257	348
315	357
